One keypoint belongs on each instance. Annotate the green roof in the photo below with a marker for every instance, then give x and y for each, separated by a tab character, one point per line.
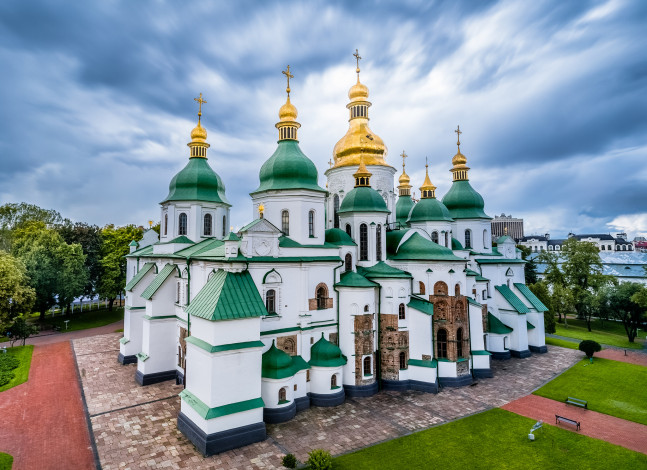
532	298
232	237
499	261
503	239
287	242
464	202
256	222
530	325
180	239
423	363
325	354
363	199
278	364
200	247
147	250
133	243
159	280
338	237
512	299
418	247
393	238
138	277
197	182
456	245
421	305
481	278
382	270
429	209
352	279
469	272
494	325
228	296
403	208
473	302
288	168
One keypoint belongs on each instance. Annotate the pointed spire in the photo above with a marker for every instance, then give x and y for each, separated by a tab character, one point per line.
362	175
427	190
459	161
198	144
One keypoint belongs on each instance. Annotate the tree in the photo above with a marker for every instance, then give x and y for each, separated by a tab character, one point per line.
115	247
21	330
89	237
589	347
562	301
16	297
73	274
627	302
540	289
530	269
13	216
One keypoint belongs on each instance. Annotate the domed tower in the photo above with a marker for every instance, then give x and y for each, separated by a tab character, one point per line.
292	199
360	142
405	203
431	215
196	206
472	226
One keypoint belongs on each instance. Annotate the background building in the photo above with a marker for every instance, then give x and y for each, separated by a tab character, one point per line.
507	225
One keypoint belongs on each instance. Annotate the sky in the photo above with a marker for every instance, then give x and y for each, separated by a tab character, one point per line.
96	100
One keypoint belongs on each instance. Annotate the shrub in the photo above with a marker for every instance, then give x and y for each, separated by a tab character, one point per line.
5	377
8	363
589	347
289	461
319	459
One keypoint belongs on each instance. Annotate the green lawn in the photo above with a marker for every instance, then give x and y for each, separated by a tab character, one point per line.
603	337
85	320
21	373
561	343
6	461
611	387
495	439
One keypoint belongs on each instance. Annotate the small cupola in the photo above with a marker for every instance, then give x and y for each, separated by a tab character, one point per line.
288	124
405	182
362	175
459	161
427	190
198	144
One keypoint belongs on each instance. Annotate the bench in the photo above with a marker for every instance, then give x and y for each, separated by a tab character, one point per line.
559	418
577	402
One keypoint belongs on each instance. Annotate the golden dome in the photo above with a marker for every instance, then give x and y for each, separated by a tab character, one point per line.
288	112
404	179
358	92
199	133
459	161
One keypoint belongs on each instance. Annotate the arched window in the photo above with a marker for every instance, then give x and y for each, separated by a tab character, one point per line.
349	230
401	312
335	203
459	342
285	222
446	240
434	236
367	366
441	341
366	308
403	360
282	395
182	224
457	290
311	224
322	296
363	242
224	226
207	225
468	239
270	301
440	288
177	296
485	243
348	262
165	224
333	381
378	242
603	247
421	287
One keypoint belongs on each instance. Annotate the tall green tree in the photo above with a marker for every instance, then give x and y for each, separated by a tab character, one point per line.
115	247
15	215
540	289
562	301
16	296
89	237
623	305
530	269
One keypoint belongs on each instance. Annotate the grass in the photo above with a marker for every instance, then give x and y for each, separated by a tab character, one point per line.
562	343
85	320
6	461
611	387
578	331
21	373
493	439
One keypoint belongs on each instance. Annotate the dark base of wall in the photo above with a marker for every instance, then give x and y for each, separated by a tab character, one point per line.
538	349
455	381
361	390
520	354
302	403
402	385
218	442
123	360
334	399
179	377
279	415
482	373
501	356
148	379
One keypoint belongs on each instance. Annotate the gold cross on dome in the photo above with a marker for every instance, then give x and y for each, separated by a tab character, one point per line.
199	100
458	133
403	155
358	58
289	76
330	162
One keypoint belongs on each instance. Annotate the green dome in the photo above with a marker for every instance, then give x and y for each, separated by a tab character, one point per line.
325	354
288	168
402	209
417	247
456	245
196	182
363	199
429	209
338	237
464	202
276	364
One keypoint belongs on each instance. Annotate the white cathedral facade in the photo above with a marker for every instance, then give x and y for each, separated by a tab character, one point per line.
326	293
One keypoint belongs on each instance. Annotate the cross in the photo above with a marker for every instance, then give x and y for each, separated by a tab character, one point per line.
426	163
403	155
289	76
330	162
458	133
358	57
199	101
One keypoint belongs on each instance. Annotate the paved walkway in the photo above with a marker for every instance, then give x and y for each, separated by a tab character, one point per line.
600	426
57	337
43	422
632	356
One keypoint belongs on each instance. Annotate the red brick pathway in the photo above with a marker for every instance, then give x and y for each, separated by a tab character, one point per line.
632	357
600	426
43	422
71	335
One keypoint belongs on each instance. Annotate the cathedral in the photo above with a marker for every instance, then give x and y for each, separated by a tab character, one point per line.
326	293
